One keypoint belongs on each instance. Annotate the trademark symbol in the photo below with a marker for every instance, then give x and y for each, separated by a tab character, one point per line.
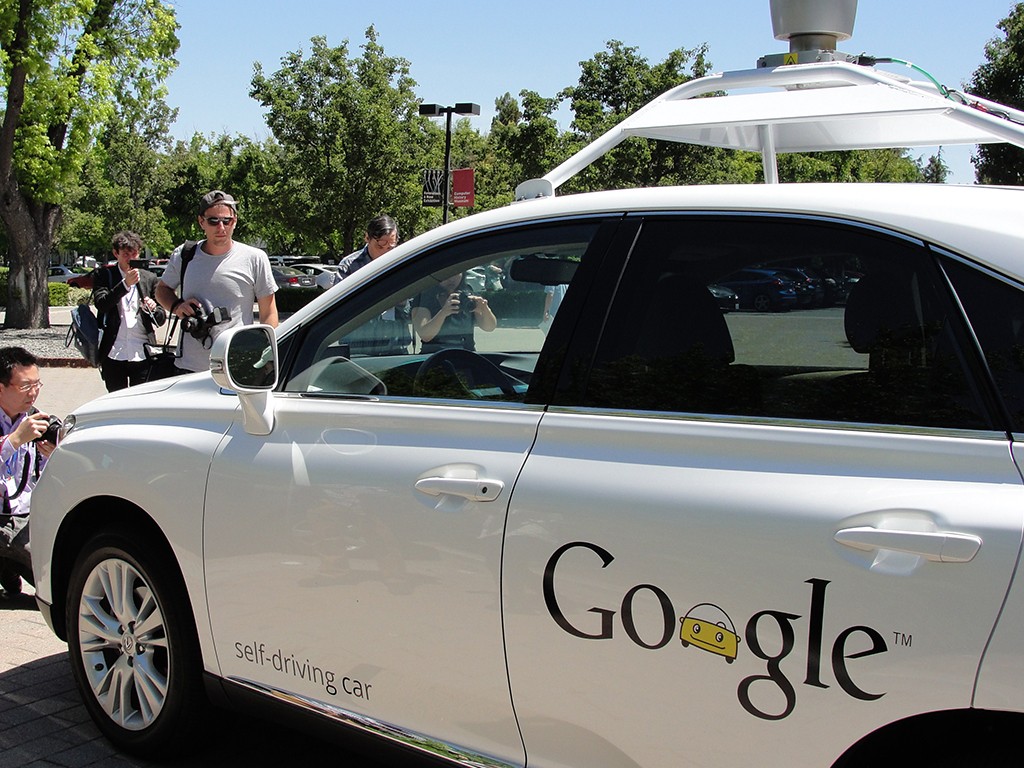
902	639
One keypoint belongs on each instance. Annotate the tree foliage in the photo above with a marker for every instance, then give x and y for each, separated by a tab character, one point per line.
64	64
349	129
348	143
1001	79
614	84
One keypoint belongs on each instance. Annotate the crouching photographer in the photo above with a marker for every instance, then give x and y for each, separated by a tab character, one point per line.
219	281
27	438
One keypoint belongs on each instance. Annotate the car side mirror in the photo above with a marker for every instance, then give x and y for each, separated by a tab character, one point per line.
244	359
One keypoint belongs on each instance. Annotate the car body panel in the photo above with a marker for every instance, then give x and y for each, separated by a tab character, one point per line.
544	624
746	519
1001	679
169	427
338	535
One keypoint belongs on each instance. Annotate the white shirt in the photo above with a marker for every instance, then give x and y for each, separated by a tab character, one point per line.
131	333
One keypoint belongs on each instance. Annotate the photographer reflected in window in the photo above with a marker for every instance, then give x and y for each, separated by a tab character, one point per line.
219	284
446	316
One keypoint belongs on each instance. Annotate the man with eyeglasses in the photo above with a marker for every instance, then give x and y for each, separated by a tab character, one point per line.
381	236
222	274
22	458
390	332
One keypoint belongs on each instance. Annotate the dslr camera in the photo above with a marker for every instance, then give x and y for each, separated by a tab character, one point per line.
466	304
200	324
52	431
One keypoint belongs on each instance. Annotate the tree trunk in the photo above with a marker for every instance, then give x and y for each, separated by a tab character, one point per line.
30	231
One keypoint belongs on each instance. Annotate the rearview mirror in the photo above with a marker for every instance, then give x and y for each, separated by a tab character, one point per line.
543	269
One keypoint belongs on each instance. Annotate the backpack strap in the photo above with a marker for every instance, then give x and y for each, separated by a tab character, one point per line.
188	252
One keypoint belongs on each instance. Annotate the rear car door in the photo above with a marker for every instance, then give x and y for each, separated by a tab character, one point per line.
377	505
760	536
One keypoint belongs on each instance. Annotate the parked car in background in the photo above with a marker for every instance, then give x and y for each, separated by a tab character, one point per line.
810	292
727	299
82	280
762	290
289	277
60	274
324	275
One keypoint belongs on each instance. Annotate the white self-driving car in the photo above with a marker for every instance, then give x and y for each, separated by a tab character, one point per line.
573	513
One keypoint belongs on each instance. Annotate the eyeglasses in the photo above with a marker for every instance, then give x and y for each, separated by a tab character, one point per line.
29	386
213	221
386	241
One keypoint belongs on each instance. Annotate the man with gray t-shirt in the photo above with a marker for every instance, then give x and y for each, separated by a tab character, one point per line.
223	280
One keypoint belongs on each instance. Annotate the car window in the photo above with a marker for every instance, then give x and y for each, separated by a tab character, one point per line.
464	321
833	323
995	309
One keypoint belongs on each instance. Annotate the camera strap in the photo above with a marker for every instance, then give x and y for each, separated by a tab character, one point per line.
24	466
188	252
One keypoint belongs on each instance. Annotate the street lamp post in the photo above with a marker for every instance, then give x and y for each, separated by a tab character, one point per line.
436	110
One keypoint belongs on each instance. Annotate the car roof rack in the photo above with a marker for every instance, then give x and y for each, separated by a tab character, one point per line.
812	107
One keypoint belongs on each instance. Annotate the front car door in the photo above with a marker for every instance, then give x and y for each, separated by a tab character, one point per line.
375	510
758	537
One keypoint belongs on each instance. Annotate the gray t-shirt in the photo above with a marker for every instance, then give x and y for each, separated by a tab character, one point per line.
233	281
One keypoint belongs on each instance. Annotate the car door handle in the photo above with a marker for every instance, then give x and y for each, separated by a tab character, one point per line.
470	488
936	546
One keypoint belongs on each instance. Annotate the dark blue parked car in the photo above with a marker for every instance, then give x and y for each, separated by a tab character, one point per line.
763	290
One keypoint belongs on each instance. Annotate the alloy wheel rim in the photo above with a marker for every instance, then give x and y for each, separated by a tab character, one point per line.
123	644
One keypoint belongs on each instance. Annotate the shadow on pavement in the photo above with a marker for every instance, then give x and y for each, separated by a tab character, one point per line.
43	721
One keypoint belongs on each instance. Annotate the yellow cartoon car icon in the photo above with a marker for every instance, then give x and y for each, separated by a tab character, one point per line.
709	627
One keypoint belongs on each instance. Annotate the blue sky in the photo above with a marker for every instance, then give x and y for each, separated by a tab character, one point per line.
476	51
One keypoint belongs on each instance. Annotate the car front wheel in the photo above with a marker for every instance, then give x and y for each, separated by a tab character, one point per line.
132	646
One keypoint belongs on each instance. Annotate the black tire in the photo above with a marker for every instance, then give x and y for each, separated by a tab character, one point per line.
762	302
136	661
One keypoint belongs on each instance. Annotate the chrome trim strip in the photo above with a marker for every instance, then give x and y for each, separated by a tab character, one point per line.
378	728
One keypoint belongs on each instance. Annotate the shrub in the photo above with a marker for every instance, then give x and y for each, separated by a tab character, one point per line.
61	294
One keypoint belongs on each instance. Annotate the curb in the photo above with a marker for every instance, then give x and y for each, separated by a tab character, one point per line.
64	362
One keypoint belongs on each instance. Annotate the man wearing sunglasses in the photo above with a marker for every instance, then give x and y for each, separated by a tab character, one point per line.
223	274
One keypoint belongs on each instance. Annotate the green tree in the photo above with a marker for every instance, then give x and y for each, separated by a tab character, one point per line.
935	170
614	84
524	143
350	132
124	182
64	64
1001	79
860	165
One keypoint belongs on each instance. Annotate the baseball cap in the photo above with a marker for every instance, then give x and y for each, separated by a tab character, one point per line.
216	197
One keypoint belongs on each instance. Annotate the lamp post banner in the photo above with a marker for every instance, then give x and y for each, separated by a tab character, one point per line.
463	188
433	186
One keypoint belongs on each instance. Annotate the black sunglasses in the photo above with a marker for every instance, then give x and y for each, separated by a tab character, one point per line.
213	221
